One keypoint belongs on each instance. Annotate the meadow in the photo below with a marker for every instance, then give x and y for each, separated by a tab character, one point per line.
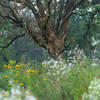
77	78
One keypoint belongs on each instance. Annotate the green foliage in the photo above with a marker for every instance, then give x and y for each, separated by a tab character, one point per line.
80	32
46	85
3	84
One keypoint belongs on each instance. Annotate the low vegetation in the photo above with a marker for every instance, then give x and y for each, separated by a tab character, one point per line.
53	80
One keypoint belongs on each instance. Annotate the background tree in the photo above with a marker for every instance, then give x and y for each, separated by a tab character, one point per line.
85	25
46	21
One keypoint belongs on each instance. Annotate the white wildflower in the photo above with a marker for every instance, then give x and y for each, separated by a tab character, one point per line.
94	64
30	98
16	94
94	91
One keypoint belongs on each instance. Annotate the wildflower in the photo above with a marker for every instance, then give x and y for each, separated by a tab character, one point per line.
17	68
26	95
94	64
93	91
6	76
28	71
18	92
16	81
35	85
18	65
10	82
3	94
21	84
9	85
23	65
27	92
5	66
15	91
7	92
9	66
17	71
43	64
44	79
12	62
35	71
30	98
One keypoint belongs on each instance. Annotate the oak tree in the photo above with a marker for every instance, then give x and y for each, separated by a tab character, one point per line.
46	21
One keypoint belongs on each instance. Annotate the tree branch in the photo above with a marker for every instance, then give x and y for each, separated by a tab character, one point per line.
89	24
94	2
30	5
59	16
14	14
15	38
37	36
49	15
65	21
41	9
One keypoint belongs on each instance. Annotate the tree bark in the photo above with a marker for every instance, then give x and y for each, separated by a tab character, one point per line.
56	46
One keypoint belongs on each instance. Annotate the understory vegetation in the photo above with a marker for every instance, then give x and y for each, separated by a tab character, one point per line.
77	78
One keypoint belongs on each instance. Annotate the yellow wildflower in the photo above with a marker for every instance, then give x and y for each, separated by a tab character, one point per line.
18	65
3	94
17	68
9	66
44	79
35	71
43	64
28	71
12	62
9	85
6	76
5	66
35	85
21	84
23	87
17	71
16	81
7	92
23	65
26	95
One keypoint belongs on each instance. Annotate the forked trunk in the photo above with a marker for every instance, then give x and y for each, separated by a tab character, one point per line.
56	46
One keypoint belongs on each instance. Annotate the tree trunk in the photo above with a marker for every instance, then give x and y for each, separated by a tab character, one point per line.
54	43
56	46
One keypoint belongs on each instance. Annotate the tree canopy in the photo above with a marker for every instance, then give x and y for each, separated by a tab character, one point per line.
48	22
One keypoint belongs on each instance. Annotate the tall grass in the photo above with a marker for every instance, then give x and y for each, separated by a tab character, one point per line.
53	80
